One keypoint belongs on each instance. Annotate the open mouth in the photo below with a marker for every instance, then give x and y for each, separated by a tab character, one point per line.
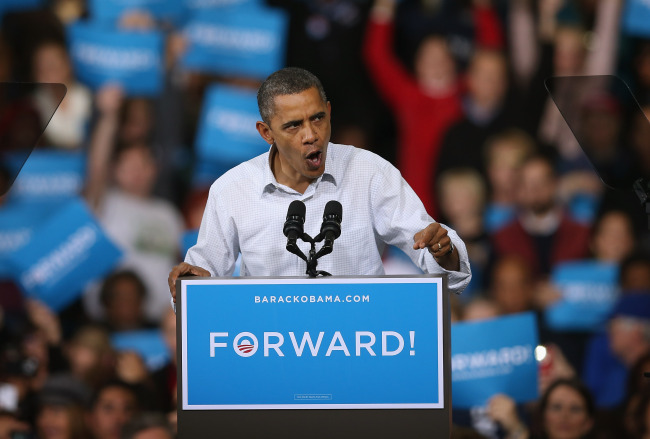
314	159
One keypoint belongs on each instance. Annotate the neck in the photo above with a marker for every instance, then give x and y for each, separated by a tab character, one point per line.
297	183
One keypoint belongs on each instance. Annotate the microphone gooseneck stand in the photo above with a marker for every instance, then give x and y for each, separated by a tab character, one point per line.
329	231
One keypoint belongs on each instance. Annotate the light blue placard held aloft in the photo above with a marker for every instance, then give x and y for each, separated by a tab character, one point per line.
65	253
589	291
494	356
48	178
246	42
101	55
227	133
307	344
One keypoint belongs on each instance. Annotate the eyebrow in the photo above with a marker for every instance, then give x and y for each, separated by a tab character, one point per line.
320	114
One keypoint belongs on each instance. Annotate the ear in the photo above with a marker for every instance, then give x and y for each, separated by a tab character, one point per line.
265	132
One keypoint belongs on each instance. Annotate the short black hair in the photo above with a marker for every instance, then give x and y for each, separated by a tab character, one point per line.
287	81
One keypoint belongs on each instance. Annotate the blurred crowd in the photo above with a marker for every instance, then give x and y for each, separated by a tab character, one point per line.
453	93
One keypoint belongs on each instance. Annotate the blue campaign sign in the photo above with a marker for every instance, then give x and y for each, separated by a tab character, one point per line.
589	291
102	55
149	344
237	41
197	5
636	17
227	132
494	356
330	343
49	177
17	224
65	252
110	10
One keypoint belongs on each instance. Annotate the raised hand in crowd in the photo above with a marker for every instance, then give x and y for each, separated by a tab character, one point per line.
503	410
108	101
46	320
554	367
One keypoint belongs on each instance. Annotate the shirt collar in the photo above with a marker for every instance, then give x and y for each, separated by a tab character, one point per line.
331	172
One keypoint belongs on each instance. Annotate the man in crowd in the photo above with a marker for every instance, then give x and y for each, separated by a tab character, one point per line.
247	206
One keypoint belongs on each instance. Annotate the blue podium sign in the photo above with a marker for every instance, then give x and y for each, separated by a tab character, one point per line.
331	343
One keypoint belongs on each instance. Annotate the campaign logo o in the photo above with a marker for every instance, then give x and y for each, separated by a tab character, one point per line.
248	345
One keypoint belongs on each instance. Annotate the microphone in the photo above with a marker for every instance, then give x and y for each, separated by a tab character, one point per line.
293	226
331	227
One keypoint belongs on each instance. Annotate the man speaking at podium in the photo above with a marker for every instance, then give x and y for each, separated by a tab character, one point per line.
247	206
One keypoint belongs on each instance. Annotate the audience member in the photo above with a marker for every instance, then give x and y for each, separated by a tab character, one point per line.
67	128
504	154
62	402
114	404
123	295
543	234
147	228
426	104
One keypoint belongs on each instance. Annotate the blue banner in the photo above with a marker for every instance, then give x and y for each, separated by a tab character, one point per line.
589	291
111	10
65	253
149	344
227	133
237	41
199	5
312	344
101	55
636	18
494	356
17	224
48	177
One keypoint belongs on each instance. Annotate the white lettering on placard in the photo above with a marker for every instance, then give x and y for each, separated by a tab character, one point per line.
589	292
14	239
209	3
115	58
246	344
234	122
493	362
50	185
248	40
63	259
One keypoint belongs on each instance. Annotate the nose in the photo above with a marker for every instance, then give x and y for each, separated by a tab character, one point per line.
309	134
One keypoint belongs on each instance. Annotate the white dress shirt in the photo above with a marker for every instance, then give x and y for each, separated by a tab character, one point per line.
247	208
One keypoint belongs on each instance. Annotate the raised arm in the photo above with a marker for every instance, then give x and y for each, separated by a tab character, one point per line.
393	81
489	32
601	59
102	143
